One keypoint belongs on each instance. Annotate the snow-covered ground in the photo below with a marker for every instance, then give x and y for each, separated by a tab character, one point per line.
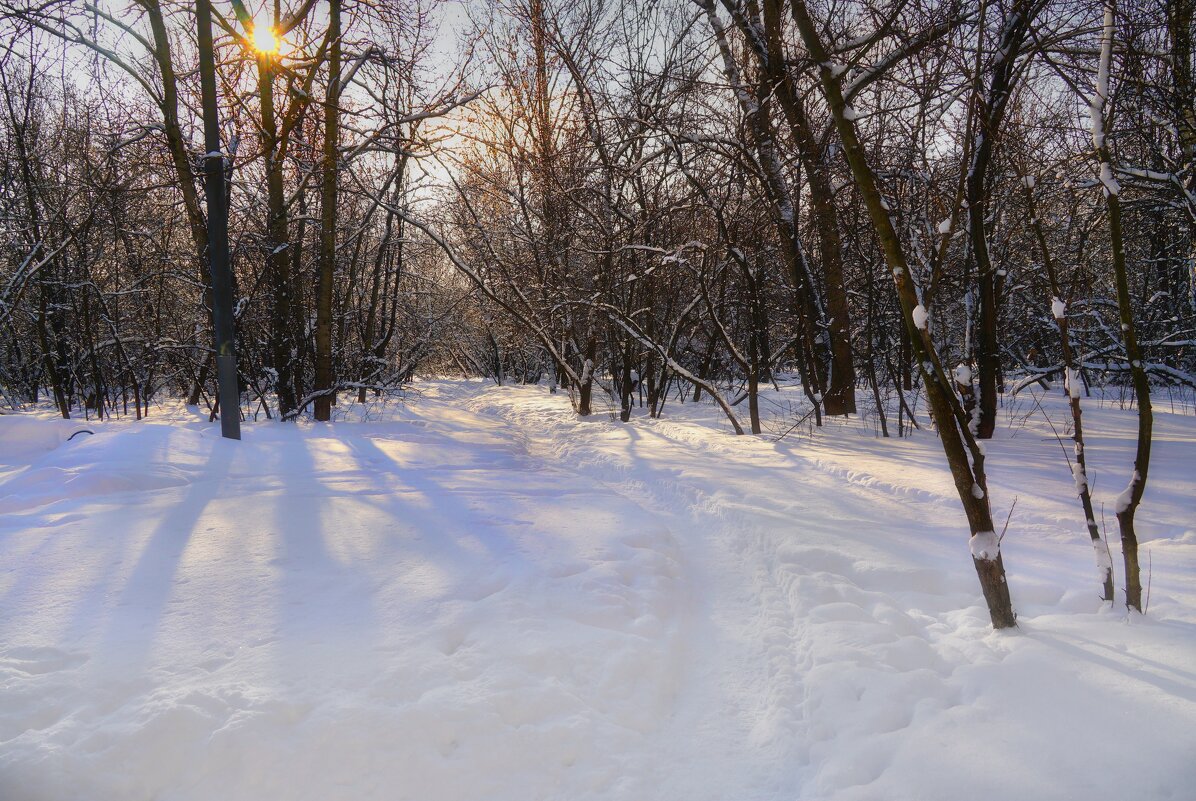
480	596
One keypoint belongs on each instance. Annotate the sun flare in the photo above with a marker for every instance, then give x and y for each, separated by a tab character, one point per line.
264	40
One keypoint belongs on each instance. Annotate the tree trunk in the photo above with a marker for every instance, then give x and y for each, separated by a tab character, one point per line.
1127	502
988	124
284	345
626	385
1080	469
782	208
328	199
957	441
753	379
586	385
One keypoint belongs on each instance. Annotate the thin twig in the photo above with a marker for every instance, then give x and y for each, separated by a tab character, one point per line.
1149	576
1058	437
803	419
1008	517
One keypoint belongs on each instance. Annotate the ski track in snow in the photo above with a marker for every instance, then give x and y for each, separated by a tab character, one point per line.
489	598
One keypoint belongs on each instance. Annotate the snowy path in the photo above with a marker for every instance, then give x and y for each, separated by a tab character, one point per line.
863	661
488	598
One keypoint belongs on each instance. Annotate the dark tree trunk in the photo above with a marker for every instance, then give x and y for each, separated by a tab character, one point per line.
1080	469
586	385
988	123
328	200
958	444
284	339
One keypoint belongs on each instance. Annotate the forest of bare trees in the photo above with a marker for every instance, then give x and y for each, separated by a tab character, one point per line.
903	204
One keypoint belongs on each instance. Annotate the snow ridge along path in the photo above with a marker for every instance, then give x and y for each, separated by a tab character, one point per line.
488	598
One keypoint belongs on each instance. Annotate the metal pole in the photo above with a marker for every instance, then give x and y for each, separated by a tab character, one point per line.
218	261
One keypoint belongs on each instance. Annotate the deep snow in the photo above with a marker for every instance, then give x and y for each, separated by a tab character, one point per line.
483	597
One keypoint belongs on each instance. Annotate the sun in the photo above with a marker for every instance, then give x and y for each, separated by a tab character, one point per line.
264	40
